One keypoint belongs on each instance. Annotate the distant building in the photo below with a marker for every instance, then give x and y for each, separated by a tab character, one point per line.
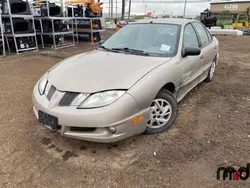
228	10
235	7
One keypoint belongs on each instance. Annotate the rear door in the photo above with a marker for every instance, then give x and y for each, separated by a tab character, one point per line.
207	47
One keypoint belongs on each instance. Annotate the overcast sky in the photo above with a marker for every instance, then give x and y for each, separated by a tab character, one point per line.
160	8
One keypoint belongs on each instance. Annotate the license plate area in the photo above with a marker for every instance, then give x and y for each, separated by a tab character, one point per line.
48	120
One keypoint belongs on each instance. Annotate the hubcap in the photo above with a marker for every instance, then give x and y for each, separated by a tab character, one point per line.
160	113
212	69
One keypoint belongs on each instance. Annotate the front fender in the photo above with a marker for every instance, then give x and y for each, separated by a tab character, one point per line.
146	89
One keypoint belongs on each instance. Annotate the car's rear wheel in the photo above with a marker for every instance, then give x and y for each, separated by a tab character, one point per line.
163	112
210	74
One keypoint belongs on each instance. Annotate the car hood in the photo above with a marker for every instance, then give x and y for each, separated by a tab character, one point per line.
100	70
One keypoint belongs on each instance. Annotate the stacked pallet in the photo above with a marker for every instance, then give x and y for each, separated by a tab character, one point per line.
18	26
2	46
87	22
52	24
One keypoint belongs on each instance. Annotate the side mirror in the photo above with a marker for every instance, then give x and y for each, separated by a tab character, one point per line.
191	51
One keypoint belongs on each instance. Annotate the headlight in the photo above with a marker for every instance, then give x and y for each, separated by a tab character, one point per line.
42	84
101	99
47	88
79	99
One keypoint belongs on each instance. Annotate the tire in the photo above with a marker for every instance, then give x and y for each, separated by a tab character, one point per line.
158	114
210	72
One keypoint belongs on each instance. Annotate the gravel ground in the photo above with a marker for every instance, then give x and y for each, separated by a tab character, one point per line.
212	129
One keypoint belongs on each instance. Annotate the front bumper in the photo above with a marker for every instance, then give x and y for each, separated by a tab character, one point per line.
93	124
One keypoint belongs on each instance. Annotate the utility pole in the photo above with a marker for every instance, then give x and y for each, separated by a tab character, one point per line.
109	9
116	7
129	10
123	9
111	1
146	8
185	6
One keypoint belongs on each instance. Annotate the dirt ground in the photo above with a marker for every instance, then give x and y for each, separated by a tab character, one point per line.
212	129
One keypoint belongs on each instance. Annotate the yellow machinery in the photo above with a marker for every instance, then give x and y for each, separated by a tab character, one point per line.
95	7
241	21
121	24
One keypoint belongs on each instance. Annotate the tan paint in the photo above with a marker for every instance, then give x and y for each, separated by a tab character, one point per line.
141	76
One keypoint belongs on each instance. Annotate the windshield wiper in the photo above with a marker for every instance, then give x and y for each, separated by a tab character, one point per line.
103	47
132	51
108	49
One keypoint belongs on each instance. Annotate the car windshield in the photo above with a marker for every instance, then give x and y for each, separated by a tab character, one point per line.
145	39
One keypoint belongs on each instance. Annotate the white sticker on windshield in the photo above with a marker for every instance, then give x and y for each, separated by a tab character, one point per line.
165	47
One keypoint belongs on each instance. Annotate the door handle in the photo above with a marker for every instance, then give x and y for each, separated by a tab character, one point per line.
202	57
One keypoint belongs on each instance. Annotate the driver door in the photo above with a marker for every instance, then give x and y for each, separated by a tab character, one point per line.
191	65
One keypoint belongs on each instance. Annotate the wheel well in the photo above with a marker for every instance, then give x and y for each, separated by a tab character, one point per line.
215	58
170	87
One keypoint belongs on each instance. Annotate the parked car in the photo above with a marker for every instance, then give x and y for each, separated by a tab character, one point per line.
130	85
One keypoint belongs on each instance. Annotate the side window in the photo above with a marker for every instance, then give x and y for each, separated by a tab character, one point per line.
190	38
209	36
202	33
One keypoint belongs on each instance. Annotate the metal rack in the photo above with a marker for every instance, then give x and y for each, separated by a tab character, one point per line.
54	33
20	36
91	30
2	45
83	18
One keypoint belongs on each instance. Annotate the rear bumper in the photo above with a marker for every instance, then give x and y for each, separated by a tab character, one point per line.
96	123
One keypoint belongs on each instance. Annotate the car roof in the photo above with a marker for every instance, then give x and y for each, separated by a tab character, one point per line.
176	21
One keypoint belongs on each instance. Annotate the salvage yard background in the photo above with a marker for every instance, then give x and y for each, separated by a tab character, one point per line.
212	129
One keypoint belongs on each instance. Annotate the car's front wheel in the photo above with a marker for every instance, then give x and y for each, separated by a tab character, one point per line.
163	112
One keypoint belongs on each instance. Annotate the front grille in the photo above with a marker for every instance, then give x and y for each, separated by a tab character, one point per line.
68	98
51	92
